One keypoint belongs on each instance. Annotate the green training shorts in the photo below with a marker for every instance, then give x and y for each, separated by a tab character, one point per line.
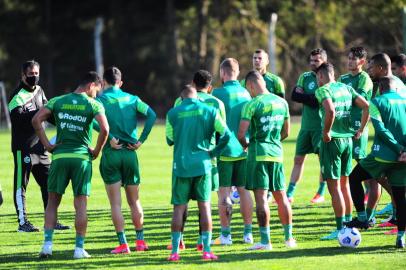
232	173
119	165
359	147
394	171
191	188
65	169
336	158
265	175
308	142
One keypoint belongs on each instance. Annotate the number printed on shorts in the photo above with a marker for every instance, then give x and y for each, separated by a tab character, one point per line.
376	147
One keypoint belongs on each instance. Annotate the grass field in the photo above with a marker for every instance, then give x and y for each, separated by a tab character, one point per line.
20	250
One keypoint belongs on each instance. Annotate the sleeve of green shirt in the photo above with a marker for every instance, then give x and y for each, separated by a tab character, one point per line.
51	103
279	86
168	131
178	101
354	93
248	111
365	86
382	131
220	127
149	123
97	107
300	81
287	115
222	111
322	93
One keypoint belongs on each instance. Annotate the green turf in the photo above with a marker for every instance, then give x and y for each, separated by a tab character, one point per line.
20	250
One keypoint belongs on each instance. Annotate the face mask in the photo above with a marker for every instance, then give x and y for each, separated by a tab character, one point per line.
32	81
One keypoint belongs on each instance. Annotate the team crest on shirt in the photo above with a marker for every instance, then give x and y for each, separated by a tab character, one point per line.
27	159
350	84
356	150
311	85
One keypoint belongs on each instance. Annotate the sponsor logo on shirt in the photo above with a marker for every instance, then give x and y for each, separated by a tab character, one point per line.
67	116
71	127
311	85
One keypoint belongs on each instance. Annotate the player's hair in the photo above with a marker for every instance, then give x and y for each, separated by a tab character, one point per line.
326	69
261	51
382	60
253	76
399	60
202	79
359	52
90	77
230	66
385	83
319	51
29	64
112	75
187	90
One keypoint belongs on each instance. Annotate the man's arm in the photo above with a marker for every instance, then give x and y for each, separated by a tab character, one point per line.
298	95
328	119
42	115
242	130
149	123
364	105
169	132
285	129
103	133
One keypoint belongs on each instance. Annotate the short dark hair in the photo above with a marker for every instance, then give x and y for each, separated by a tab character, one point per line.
359	52
260	51
381	59
399	60
29	64
202	79
253	76
319	51
326	69
229	65
90	77
112	75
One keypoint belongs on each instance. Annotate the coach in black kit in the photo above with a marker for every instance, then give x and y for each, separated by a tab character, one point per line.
29	154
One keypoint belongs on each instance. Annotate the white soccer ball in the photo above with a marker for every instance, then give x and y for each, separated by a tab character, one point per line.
234	196
349	237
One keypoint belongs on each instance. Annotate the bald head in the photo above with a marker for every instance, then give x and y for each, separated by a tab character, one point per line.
188	91
229	69
255	83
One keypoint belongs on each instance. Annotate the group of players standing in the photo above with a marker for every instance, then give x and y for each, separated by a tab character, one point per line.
222	138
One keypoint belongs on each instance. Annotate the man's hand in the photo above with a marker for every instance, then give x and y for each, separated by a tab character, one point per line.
114	144
358	134
326	136
402	157
94	153
134	146
50	147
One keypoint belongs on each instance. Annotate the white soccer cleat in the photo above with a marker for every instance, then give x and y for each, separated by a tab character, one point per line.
80	253
259	246
248	238
291	243
222	240
46	250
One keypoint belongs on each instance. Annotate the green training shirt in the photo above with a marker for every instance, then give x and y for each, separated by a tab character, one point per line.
121	112
363	85
74	115
343	97
274	83
267	114
234	96
310	116
388	114
190	127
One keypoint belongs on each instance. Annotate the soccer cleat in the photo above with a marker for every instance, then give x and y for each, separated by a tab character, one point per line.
121	249
222	240
248	238
332	236
141	245
181	246
174	257
388	209
209	256
199	247
356	223
392	232
259	246
291	243
400	243
372	222
389	222
317	198
46	251
61	227
80	253
27	227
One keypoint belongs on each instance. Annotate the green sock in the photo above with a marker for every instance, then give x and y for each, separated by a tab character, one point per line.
48	233
348	218
121	238
175	242
362	216
401	234
264	232
291	190
394	213
206	239
370	213
322	188
225	231
80	240
140	234
287	229
199	240
247	229
339	222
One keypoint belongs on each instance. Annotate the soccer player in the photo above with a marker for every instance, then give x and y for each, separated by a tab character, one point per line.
190	128
232	161
268	117
29	154
119	162
399	66
202	82
362	84
336	102
308	140
71	155
274	83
